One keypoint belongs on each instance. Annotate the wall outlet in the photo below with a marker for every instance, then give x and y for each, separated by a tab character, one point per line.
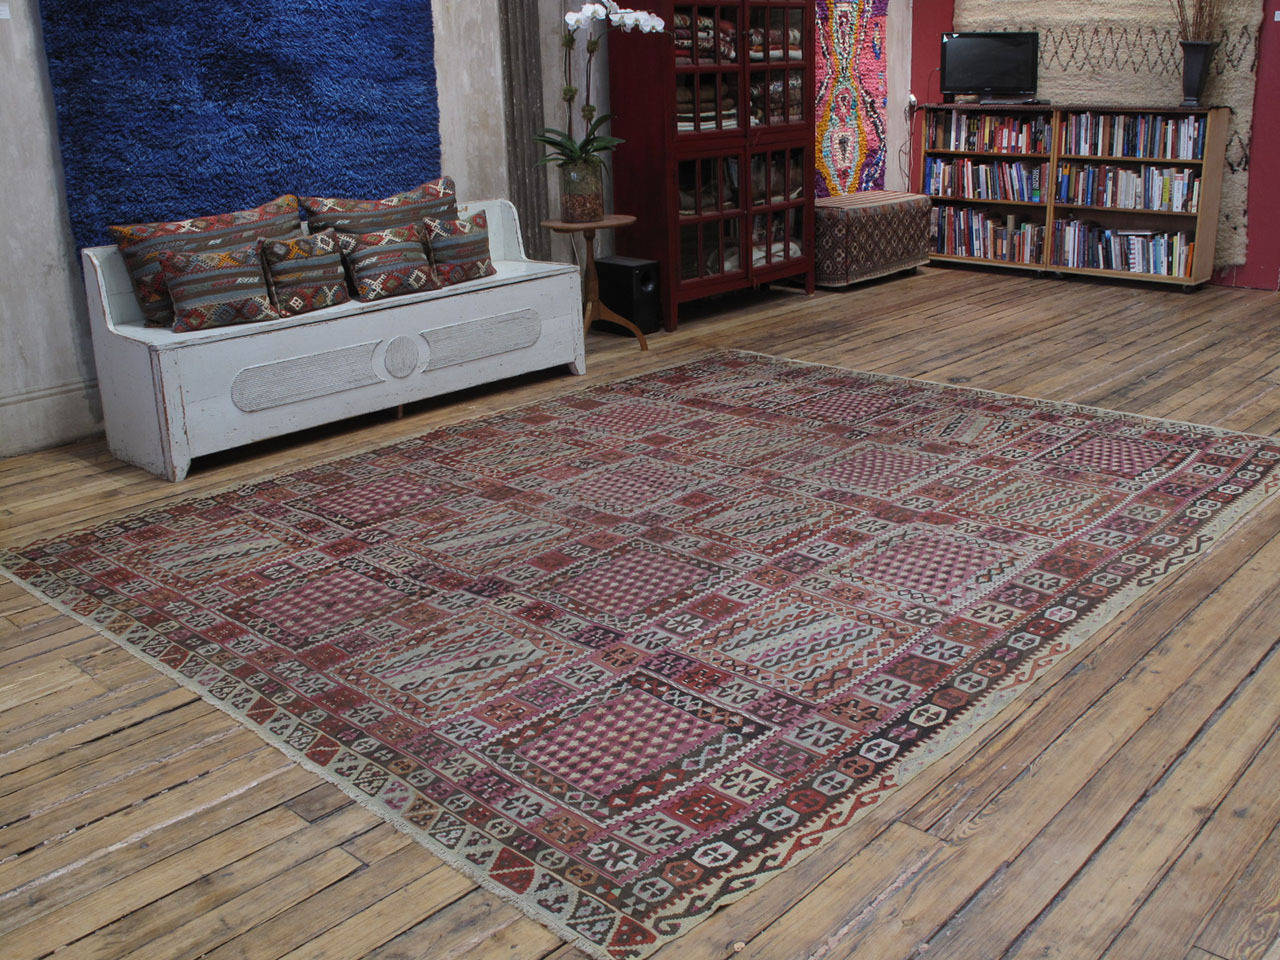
4	11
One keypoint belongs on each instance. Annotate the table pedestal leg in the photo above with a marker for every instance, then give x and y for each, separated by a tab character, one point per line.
593	309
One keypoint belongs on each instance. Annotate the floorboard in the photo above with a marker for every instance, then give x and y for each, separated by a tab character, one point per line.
1123	807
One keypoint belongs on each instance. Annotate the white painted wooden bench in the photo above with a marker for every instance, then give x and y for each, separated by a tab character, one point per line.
168	397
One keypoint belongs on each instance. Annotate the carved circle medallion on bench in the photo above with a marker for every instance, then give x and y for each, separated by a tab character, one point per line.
402	357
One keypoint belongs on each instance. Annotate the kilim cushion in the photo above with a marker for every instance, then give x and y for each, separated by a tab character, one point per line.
305	273
216	288
434	199
142	243
460	248
387	263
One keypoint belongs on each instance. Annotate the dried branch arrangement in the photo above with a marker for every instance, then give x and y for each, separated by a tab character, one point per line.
1198	19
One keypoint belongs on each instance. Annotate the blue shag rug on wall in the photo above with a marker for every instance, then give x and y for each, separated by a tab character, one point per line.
173	110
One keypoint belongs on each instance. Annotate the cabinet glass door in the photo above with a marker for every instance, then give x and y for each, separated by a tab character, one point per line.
777	53
708	69
710	193
777	206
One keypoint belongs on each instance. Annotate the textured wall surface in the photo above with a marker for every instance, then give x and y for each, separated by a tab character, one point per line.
1100	51
468	56
897	175
47	391
1261	269
551	24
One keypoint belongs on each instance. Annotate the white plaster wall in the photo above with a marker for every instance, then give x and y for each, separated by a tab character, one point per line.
550	23
48	394
897	173
473	139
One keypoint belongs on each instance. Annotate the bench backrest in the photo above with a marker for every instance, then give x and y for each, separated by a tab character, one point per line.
110	291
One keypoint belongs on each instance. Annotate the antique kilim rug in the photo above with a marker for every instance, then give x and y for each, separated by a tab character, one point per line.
624	655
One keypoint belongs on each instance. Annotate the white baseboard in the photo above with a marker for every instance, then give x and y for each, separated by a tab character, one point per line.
48	416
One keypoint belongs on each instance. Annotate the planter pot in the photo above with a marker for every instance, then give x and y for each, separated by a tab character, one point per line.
581	192
1196	57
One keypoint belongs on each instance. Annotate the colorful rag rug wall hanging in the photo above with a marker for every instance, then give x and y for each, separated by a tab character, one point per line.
624	655
852	87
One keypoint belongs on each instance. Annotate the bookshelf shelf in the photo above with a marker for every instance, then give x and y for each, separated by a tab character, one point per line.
999	154
1016	264
1054	268
1150	161
1080	152
1136	211
1122	274
992	202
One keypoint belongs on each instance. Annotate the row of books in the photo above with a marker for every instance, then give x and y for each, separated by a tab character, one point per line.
1001	180
1079	243
963	232
1134	135
963	130
1149	188
957	231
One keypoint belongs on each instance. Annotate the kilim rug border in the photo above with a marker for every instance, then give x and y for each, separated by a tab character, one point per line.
889	766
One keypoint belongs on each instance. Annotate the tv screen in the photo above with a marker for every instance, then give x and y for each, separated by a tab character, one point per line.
998	64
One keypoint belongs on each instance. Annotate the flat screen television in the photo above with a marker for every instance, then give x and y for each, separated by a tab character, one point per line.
992	65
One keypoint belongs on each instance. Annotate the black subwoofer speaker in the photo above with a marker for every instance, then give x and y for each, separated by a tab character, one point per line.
629	287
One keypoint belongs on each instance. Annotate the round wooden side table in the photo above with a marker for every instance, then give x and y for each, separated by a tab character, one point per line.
593	309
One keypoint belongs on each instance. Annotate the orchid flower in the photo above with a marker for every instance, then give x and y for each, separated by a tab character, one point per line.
613	16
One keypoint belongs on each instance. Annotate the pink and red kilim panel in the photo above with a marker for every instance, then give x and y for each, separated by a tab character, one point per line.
622	711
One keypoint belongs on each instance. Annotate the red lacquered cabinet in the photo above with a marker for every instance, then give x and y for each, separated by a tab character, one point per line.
718	167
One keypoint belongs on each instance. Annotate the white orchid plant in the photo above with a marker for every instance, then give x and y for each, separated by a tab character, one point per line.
562	146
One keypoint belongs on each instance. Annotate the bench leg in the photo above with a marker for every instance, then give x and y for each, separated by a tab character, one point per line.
578	365
176	469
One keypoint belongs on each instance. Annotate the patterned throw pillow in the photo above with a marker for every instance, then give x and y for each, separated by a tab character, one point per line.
388	263
305	273
216	288
142	243
460	248
434	199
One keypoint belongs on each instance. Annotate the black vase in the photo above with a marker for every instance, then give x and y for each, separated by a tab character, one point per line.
1196	57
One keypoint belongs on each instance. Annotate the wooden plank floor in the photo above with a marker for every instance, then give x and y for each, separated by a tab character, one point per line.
1125	807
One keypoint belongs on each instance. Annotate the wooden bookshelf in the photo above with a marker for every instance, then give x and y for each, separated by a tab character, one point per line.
972	149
